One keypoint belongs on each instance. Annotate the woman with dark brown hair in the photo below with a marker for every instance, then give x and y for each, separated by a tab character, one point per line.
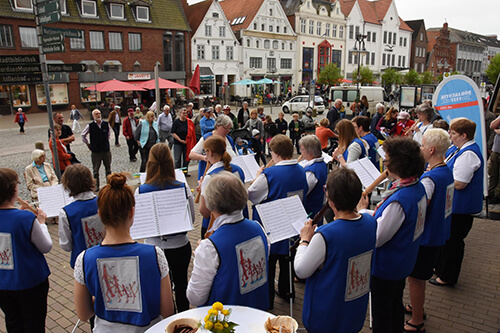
351	147
160	176
124	283
79	224
219	159
24	283
363	106
388	123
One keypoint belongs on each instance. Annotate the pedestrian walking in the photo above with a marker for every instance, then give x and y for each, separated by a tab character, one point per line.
115	121
165	126
75	115
20	120
129	127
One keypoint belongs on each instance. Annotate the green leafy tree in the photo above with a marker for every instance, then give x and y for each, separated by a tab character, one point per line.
493	69
366	76
427	78
330	75
390	77
412	78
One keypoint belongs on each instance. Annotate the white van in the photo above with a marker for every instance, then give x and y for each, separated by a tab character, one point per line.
348	96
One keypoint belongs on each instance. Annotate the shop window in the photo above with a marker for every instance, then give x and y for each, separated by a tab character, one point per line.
58	94
20	95
89	95
89	8
142	13
28	36
6	39
116	11
134	42
96	40
115	41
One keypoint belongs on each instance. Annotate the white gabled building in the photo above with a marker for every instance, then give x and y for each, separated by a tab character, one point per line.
268	42
214	47
320	28
388	38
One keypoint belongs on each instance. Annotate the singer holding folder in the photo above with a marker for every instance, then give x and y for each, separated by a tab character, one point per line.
160	176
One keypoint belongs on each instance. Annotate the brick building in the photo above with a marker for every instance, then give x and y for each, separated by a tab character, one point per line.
122	40
441	57
419	43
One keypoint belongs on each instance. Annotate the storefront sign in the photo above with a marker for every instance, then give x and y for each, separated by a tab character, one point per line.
20	68
206	77
20	59
139	76
20	78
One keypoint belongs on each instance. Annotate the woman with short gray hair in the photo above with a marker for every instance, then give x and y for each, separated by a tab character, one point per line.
39	174
424	113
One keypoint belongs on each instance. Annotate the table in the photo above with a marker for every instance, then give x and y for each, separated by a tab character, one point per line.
250	320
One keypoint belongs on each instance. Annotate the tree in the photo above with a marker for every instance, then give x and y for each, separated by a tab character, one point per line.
412	78
366	76
427	78
493	69
389	78
330	75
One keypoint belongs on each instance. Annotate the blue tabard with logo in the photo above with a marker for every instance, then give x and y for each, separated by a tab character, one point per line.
470	199
396	258
283	181
316	197
372	152
87	229
241	277
341	306
360	143
125	281
22	266
438	216
202	164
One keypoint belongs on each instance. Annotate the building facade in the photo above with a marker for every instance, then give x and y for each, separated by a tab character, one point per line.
441	58
419	41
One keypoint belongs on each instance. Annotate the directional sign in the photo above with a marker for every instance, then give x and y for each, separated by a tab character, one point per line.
48	7
71	33
66	67
19	59
54	48
52	39
20	78
56	76
49	18
20	68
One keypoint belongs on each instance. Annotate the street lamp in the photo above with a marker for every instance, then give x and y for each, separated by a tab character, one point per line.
359	50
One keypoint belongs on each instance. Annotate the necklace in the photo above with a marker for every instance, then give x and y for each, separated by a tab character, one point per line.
438	165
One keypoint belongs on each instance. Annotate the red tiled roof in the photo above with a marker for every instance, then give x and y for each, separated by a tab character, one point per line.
431	37
241	8
195	13
373	11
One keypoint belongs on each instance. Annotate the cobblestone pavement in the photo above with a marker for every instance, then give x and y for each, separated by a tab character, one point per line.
471	306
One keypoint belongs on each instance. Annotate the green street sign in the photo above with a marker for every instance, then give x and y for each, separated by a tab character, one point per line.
53	48
70	33
48	7
52	39
56	76
49	18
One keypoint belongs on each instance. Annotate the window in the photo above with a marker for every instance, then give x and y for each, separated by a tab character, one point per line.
394	38
286	63
23	4
403	63
142	13
277	28
96	40
282	46
222	31
400	41
257	44
134	42
215	15
327	30
215	52
263	27
267	44
275	44
115	41
374	37
349	58
248	42
351	32
6	39
77	43
368	36
383	59
291	46
318	28
255	26
270	12
404	42
334	30
179	51
270	28
385	37
341	32
168	49
200	52
208	30
255	62
393	59
89	8
337	57
302	26
399	61
116	11
368	58
28	36
311	27
284	30
357	31
422	36
373	58
229	53
271	63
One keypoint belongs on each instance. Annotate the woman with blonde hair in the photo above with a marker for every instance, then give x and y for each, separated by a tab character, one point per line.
220	160
147	134
124	283
351	147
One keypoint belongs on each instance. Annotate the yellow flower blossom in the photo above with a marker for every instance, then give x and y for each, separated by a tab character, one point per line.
218	327
225	324
225	312
217	306
209	325
213	312
207	318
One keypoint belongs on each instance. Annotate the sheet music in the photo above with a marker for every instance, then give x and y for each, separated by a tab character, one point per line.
278	216
365	170
327	158
172	211
381	152
248	164
142	177
52	199
145	224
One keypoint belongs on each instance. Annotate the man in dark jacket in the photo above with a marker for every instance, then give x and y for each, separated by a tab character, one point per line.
334	114
376	118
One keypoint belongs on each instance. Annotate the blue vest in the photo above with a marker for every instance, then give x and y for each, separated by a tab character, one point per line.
470	199
283	181
202	164
87	229
372	152
131	278
395	259
99	137
22	266
236	169
145	132
360	143
438	217
336	296
241	277
316	197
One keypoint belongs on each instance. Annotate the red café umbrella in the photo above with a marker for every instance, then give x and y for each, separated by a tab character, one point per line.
346	81
194	85
114	85
164	84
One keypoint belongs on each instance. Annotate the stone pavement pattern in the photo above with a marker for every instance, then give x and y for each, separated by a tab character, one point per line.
473	305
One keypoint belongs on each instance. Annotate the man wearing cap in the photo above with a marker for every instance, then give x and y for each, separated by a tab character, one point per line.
207	123
309	122
115	121
227	112
129	126
165	126
404	123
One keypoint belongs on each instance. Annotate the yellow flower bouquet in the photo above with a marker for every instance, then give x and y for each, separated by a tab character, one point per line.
217	320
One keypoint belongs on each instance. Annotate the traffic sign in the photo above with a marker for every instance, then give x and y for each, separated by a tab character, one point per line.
53	48
66	67
19	68
19	59
49	18
52	39
48	7
20	78
71	33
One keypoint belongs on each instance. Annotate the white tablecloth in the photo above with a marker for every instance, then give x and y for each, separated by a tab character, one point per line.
250	320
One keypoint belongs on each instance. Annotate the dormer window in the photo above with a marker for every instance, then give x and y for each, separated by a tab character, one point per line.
116	11
89	8
23	5
215	15
142	13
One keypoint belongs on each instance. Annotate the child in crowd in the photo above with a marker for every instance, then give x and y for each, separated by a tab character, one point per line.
257	146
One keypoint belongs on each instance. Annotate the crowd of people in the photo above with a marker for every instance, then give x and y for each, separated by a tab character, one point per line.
415	231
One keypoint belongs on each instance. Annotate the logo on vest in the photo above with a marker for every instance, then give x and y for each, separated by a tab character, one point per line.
6	254
252	270
120	283
450	191
419	226
93	230
358	276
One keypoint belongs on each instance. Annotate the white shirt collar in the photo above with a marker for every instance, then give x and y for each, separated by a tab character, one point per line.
84	196
236	216
311	162
287	162
215	166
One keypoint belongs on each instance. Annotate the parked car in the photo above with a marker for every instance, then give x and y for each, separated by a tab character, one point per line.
302	102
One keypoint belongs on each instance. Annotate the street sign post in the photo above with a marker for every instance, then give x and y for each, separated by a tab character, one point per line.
52	39
19	59
56	76
21	78
49	18
48	7
66	68
54	48
71	33
20	68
